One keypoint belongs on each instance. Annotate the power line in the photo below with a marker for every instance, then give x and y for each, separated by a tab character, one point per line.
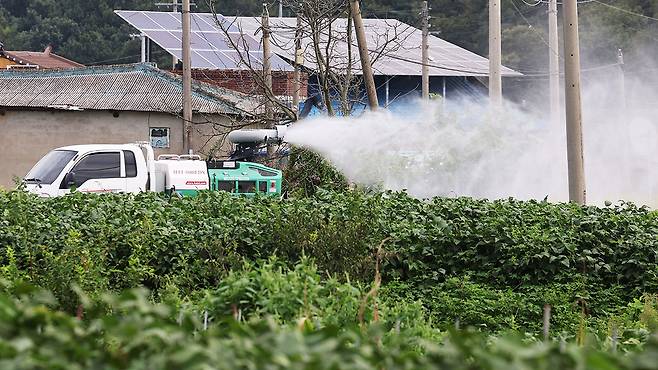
624	10
546	74
122	58
560	3
529	4
532	27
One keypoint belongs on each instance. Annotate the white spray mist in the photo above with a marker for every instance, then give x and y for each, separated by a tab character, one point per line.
467	151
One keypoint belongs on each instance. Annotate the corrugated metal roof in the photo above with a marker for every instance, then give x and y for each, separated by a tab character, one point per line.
135	87
44	59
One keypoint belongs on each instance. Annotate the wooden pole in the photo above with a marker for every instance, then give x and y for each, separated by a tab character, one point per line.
297	63
495	82
364	56
267	65
576	163
425	53
187	79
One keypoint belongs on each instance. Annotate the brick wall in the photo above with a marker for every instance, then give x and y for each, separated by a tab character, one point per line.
243	81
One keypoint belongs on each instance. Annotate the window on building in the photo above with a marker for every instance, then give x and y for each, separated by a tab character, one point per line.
159	137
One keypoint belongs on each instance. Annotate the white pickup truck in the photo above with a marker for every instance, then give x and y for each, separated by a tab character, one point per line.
104	168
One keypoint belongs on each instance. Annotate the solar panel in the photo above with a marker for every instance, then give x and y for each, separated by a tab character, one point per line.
400	42
209	45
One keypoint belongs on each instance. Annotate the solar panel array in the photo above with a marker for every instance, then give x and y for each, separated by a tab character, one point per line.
210	47
395	47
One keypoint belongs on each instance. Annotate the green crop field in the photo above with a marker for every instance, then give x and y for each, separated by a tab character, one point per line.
337	280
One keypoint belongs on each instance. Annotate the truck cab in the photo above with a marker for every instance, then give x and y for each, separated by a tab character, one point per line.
90	169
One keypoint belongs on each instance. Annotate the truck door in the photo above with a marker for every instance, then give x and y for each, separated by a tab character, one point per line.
99	172
135	171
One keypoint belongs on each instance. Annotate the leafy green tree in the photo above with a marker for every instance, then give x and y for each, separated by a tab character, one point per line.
89	31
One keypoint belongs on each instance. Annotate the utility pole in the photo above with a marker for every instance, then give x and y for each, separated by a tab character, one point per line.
174	8
280	8
297	64
267	64
143	39
575	158
174	4
425	52
495	82
625	135
187	79
622	78
364	56
554	62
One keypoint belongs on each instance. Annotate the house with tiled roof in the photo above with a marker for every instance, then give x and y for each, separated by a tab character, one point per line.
34	60
44	109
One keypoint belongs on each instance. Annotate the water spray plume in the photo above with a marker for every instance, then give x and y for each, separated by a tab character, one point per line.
466	151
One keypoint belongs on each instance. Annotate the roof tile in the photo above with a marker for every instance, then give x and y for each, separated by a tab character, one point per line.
44	60
135	87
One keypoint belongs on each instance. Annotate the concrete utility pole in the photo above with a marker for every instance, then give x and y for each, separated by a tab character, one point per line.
144	57
495	81
174	4
174	8
425	51
364	56
280	8
298	62
554	62
267	64
187	79
572	104
622	78
142	37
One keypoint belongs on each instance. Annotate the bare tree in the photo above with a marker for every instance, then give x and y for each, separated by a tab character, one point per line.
327	42
325	39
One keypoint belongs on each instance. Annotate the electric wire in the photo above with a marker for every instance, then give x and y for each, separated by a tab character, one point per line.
630	12
623	10
591	69
156	52
539	34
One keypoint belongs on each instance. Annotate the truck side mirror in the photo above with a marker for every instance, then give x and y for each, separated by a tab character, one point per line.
69	180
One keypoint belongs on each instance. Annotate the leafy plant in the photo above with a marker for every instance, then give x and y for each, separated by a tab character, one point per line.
494	264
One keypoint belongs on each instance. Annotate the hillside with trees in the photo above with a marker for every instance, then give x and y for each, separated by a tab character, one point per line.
89	32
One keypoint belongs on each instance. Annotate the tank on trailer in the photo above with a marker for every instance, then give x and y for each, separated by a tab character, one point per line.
184	174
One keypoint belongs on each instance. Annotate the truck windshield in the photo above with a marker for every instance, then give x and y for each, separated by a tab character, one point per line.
49	167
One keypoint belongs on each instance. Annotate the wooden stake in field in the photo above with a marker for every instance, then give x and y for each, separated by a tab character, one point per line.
547	321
